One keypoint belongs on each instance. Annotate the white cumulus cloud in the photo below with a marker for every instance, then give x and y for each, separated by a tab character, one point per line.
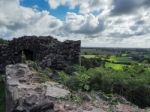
105	23
16	20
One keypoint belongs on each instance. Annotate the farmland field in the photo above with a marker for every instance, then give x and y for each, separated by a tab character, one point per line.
127	69
89	56
114	66
120	59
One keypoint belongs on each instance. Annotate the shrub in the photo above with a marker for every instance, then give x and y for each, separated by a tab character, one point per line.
63	77
132	84
91	62
74	83
95	81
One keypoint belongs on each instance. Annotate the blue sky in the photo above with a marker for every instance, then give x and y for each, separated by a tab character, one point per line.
97	23
60	12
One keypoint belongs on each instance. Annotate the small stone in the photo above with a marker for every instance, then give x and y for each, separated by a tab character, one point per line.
50	74
31	100
69	107
20	73
87	107
59	108
22	81
86	97
20	109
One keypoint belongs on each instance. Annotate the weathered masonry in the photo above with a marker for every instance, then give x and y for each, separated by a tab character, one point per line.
46	50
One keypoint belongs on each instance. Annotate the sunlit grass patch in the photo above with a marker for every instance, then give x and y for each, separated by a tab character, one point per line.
89	56
112	59
148	69
120	59
114	66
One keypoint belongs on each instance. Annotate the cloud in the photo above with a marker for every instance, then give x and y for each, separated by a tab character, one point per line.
123	6
83	24
16	20
105	23
56	3
90	6
85	6
128	6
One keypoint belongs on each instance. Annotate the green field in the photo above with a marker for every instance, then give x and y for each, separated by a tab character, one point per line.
120	59
89	56
114	66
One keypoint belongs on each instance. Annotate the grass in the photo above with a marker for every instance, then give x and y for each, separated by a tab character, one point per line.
148	69
124	55
112	59
89	56
38	71
122	59
114	66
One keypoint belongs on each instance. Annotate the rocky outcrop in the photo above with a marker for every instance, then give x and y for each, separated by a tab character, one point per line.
49	52
27	92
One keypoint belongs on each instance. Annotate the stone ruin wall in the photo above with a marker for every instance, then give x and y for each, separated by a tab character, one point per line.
4	59
49	52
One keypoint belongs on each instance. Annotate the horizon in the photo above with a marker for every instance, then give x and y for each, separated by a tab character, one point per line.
94	46
88	47
97	23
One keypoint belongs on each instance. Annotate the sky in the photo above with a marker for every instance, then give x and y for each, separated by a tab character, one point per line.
97	23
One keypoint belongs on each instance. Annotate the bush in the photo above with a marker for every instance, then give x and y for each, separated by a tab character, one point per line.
92	62
63	78
132	84
95	81
69	70
74	83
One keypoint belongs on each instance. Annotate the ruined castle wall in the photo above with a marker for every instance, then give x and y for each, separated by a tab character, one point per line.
4	51
71	51
49	52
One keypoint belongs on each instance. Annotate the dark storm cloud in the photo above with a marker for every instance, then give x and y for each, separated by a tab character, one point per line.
128	6
140	22
147	3
120	36
122	6
16	26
